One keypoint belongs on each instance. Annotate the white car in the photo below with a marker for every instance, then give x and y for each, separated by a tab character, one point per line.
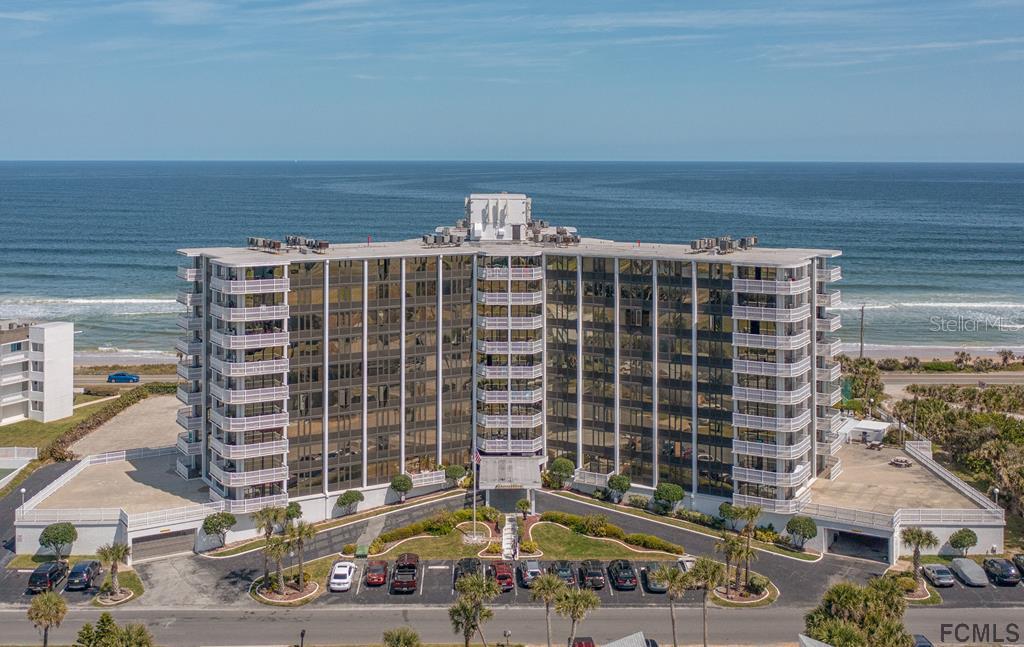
342	575
686	563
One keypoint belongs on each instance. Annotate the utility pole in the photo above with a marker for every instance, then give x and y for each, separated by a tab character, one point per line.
862	331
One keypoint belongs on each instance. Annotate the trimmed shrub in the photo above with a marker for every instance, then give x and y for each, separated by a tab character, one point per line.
758	584
653	543
598	526
693	516
963	540
906	583
560	471
529	547
455	473
801	529
348	549
669	493
766	535
493	548
637	501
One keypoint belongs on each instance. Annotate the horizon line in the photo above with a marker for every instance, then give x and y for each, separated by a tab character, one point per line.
487	161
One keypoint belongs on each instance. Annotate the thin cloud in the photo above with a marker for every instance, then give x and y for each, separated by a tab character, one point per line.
24	16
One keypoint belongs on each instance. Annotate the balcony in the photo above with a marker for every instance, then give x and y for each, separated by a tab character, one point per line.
255	477
800	475
829	371
830	323
768	423
189	397
189	298
190	323
502	420
14	358
251	450
190	274
250	286
242	369
831	446
779	342
189	346
524	372
248	423
189	372
828	349
187	420
515	273
772	396
259	313
505	446
15	377
242	342
830	299
828	274
185	470
14	398
515	347
248	396
507	298
517	397
512	323
782	506
753	286
832	395
245	506
188	447
784	315
829	424
771	450
796	369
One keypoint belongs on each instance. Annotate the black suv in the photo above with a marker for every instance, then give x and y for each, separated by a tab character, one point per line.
47	576
622	575
466	566
83	575
563	569
591	574
1001	571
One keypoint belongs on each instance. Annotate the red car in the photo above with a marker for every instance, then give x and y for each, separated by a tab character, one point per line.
376	573
504	574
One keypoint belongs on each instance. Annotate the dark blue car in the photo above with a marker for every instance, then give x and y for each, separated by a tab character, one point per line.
122	377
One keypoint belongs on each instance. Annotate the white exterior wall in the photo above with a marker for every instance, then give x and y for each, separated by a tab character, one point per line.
58	340
90	537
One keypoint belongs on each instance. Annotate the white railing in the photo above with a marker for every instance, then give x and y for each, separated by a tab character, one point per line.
15	357
501	420
188	298
922	451
423	479
188	346
782	506
835	467
799	313
772	395
797	477
830	423
185	396
189	372
828	274
258	313
941	516
848	515
830	323
189	322
583	477
830	299
771	424
771	450
494	445
239	342
242	369
795	286
253	477
248	423
832	397
186	420
515	347
510	298
780	342
140	520
518	397
832	445
829	349
251	286
188	273
247	396
184	471
524	372
249	450
515	273
243	506
72	515
513	323
751	367
14	398
188	447
19	453
830	372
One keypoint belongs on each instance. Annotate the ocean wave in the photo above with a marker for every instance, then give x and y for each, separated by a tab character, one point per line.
949	305
56	308
905	349
132	351
84	301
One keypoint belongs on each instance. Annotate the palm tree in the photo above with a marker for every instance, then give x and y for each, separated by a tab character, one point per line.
729	547
466	617
706	574
114	554
745	554
401	637
47	610
298	534
266	521
276	549
961	358
135	635
749	514
676	583
1006	356
844	601
546	589
575	604
918	538
478	590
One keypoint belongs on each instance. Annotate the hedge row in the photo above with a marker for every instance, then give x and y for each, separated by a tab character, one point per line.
595	525
60	448
439	525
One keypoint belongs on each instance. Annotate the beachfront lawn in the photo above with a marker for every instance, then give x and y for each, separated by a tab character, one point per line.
450	546
558	542
30	433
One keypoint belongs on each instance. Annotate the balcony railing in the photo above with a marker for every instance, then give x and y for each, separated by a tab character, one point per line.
798	368
830	371
510	298
254	477
187	420
518	397
189	397
251	450
830	299
188	298
188	273
848	515
772	396
251	286
188	447
513	323
186	471
515	273
829	349
799	313
189	322
828	274
515	347
189	372
830	423
771	450
243	506
754	286
767	423
832	395
248	396
583	477
831	446
779	342
258	313
524	372
830	323
501	420
782	506
517	446
242	369
796	478
241	342
189	346
248	423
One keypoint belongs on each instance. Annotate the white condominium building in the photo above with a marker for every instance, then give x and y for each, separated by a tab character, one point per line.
36	371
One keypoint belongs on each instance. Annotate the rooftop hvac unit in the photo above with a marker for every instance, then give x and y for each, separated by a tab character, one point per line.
428	239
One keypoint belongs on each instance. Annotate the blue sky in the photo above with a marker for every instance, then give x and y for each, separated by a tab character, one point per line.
383	79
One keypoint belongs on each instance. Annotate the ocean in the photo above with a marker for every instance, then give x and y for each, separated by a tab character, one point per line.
933	252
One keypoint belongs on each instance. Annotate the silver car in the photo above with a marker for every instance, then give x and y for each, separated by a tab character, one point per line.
938	575
969	572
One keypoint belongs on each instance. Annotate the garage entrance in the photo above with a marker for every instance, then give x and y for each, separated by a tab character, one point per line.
164	544
855	544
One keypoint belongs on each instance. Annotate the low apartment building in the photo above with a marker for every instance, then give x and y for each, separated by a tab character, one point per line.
312	368
36	371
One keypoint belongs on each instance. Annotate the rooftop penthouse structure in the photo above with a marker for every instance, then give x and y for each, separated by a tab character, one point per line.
311	368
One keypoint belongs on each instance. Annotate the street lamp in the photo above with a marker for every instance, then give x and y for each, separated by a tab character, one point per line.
302	638
23	497
871	407
995	495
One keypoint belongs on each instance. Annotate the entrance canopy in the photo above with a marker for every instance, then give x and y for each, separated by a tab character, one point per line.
509	472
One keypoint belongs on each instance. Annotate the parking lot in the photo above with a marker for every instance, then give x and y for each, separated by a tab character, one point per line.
990	595
14	589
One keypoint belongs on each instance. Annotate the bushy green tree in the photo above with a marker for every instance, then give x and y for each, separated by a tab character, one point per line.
963	540
349	500
619	484
219	523
669	494
561	470
801	529
401	483
455	473
59	537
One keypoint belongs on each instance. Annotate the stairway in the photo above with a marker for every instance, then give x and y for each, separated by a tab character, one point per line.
509	545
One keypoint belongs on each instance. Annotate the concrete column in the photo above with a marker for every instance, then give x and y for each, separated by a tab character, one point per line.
579	361
654	373
693	376
618	383
326	381
401	379
440	357
366	325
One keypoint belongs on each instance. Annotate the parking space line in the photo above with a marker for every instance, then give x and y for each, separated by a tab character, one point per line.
359	584
423	580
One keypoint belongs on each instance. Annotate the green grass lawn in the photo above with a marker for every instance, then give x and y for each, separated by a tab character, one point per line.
128	580
82	398
448	546
31	561
558	542
30	433
135	369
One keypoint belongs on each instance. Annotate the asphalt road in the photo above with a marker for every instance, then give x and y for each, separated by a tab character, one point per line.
901	379
33	484
93	380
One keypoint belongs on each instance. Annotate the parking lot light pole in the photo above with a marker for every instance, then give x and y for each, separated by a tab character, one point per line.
302	638
23	497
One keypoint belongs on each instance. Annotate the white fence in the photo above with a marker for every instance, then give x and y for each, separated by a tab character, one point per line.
19	453
922	451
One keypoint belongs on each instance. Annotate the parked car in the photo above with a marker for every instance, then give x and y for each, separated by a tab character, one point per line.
465	566
969	572
1001	571
938	575
592	574
376	573
563	569
83	575
1018	561
405	574
622	575
529	570
922	641
686	563
503	574
47	576
583	641
652	584
122	377
342	574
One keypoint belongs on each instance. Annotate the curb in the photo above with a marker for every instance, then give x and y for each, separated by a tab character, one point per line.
640	551
99	600
281	603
